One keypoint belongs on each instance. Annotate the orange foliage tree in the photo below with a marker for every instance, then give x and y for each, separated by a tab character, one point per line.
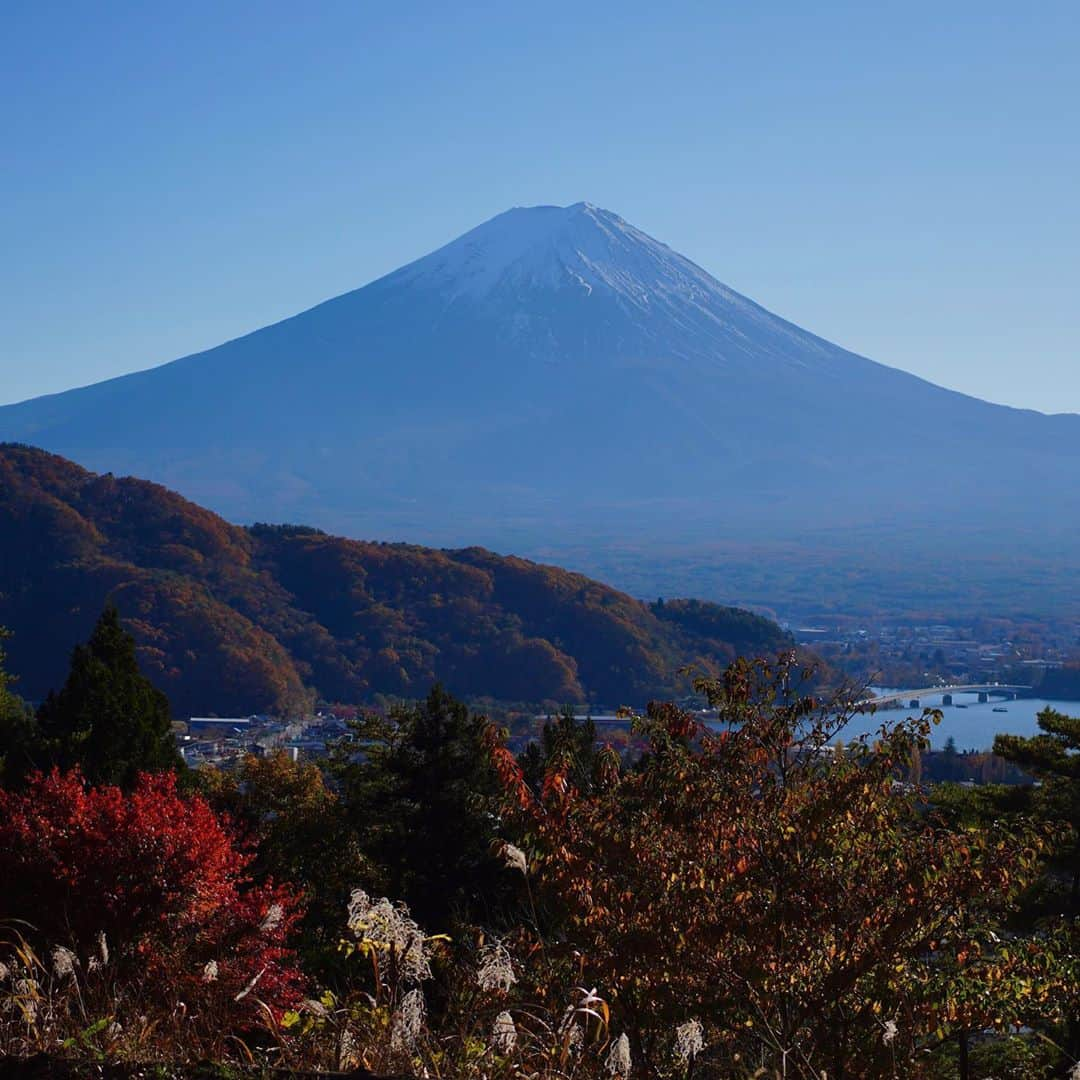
801	902
298	830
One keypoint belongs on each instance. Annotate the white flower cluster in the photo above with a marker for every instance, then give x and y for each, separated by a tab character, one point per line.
890	1032
63	962
348	1049
618	1059
274	914
503	1033
514	858
386	928
210	971
101	958
689	1040
408	1021
495	970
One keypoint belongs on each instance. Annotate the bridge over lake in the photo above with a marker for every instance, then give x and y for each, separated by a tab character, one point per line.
985	692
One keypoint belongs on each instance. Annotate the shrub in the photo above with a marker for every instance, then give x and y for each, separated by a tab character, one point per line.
161	879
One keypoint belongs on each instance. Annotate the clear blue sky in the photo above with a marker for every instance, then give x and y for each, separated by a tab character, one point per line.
900	178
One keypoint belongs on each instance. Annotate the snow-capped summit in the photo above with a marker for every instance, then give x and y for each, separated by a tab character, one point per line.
580	248
555	373
560	280
577	247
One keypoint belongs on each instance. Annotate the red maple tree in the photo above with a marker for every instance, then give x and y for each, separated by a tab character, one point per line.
161	876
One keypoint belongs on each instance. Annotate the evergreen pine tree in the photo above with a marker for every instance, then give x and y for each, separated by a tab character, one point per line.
1052	757
108	719
950	760
421	791
18	729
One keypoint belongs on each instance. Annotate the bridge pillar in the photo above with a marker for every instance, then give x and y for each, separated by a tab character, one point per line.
946	699
913	703
984	697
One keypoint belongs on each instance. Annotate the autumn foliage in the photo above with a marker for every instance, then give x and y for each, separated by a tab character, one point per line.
744	899
800	902
231	621
161	876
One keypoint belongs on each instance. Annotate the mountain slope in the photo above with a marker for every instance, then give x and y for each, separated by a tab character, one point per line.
554	375
233	620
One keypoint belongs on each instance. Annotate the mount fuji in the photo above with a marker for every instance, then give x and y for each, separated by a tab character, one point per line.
558	378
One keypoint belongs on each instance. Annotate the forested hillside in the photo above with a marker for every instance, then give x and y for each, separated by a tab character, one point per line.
235	620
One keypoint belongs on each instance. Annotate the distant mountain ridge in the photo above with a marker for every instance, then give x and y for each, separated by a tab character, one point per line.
233	620
553	377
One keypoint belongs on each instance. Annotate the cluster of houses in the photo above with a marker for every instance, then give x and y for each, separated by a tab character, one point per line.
222	740
962	652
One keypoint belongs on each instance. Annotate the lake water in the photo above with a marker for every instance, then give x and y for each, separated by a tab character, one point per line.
974	727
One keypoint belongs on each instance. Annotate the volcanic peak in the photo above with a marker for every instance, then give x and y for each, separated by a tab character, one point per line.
581	247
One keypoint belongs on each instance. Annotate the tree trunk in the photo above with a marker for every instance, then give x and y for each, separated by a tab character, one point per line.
965	1068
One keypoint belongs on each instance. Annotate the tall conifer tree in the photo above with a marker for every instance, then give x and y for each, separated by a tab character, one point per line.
108	718
18	734
1053	757
421	790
